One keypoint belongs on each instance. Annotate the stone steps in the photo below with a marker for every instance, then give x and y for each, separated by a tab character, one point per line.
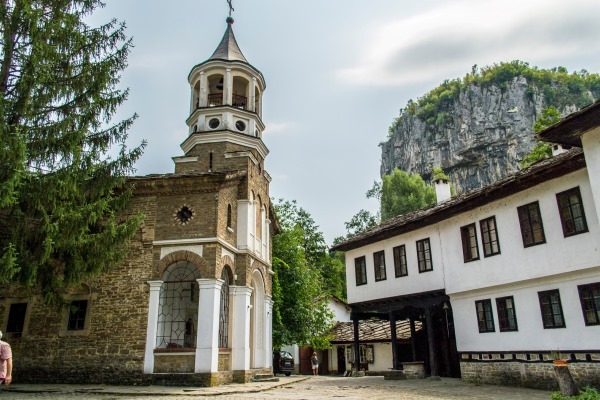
265	378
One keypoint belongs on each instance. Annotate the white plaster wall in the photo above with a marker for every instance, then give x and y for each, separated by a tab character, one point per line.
340	312
383	357
415	282
515	262
382	354
591	150
531	334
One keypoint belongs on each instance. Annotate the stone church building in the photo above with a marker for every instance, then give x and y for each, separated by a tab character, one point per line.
191	304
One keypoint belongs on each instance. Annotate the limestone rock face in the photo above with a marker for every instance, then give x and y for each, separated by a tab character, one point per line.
486	134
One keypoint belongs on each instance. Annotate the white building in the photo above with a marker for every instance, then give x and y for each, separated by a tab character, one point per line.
502	276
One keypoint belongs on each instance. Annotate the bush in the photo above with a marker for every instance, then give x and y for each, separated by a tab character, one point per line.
587	394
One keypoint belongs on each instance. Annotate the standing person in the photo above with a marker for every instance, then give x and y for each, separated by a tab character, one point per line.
314	360
6	363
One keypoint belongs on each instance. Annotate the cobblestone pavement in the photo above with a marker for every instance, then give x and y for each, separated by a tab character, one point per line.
327	387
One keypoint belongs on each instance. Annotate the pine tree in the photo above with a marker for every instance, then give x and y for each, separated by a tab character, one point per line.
62	192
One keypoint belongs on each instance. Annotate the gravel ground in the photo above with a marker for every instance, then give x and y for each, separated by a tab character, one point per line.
371	388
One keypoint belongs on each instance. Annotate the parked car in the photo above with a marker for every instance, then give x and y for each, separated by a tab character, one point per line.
283	363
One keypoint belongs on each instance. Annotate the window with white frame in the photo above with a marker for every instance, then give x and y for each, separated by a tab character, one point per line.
468	235
400	266
360	270
485	316
424	255
551	308
379	265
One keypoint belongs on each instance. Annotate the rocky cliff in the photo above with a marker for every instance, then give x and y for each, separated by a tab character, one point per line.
485	131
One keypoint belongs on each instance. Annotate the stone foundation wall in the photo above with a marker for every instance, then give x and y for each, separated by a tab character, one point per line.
174	363
224	361
534	370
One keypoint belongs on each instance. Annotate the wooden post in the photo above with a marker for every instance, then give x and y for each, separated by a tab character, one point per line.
394	341
430	340
413	344
356	346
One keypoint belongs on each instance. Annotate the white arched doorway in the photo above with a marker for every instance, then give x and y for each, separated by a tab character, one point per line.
257	322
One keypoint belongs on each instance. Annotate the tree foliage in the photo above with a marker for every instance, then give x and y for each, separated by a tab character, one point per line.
542	150
402	192
61	193
305	276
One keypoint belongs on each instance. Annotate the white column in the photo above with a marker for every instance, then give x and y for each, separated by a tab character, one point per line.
268	331
228	87
192	102
203	92
252	96
152	326
207	340
240	341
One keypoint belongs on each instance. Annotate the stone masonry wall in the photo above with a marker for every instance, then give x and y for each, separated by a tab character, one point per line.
529	370
112	346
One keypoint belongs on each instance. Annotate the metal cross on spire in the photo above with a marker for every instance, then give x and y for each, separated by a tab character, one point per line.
230	7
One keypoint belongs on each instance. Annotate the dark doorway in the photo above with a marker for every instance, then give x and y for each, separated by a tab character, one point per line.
341	359
305	367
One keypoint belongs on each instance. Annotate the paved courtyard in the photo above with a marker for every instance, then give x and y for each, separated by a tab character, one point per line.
293	388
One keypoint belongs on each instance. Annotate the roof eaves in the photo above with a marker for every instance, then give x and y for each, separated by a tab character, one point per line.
569	130
543	171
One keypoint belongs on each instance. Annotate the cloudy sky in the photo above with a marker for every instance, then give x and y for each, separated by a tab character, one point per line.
337	73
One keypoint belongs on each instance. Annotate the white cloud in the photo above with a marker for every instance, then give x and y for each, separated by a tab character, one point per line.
448	39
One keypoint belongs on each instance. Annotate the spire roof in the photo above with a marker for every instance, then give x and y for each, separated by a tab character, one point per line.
228	49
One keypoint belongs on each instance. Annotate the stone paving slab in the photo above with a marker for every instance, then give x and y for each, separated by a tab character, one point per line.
289	388
234	388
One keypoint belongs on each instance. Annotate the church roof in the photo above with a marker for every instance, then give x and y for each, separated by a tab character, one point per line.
228	49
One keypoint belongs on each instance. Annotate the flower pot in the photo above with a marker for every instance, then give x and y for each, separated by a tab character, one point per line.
560	363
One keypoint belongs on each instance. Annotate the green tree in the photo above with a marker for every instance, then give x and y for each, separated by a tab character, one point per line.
401	193
305	275
542	150
62	196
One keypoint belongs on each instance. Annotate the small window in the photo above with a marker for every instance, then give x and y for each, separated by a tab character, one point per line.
507	316
485	316
489	236
16	319
240	125
424	255
77	313
589	295
571	211
229	215
469	242
214	123
552	314
379	263
360	269
400	266
532	229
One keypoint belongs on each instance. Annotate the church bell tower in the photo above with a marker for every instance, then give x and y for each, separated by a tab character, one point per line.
225	107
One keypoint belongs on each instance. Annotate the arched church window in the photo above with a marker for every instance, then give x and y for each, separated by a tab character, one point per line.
224	311
258	209
178	307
